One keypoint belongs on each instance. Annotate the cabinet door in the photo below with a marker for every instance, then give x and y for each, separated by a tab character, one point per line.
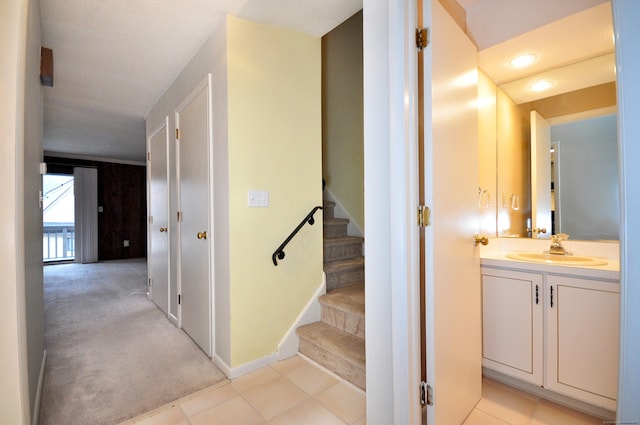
512	323
583	326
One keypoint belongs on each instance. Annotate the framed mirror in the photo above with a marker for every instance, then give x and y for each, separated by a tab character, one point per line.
538	192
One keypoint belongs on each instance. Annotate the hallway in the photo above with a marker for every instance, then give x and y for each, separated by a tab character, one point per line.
111	353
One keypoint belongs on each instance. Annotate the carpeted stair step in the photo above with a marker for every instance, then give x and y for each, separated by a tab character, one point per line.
344	272
341	248
334	227
343	308
328	209
338	351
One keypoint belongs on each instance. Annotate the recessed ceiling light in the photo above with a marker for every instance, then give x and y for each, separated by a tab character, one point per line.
541	85
523	60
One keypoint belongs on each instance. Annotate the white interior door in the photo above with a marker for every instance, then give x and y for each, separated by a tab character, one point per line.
159	217
192	120
453	296
540	176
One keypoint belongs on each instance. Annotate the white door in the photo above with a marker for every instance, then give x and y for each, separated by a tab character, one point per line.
192	120
540	176
158	145
453	318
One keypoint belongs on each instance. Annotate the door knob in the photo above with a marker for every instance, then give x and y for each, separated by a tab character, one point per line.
163	229
481	240
202	235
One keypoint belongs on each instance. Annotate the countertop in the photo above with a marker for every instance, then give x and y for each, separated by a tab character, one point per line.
610	271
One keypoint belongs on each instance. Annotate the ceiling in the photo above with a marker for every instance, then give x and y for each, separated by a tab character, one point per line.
115	58
572	53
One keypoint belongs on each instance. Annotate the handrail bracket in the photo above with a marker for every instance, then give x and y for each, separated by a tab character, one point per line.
279	253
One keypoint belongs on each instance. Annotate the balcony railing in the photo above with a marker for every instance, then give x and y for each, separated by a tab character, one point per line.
58	241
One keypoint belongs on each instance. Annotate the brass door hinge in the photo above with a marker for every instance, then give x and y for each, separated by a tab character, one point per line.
148	156
424	216
422	38
179	216
178	133
150	219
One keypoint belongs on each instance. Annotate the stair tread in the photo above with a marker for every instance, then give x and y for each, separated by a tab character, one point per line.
329	204
343	344
349	263
349	299
338	240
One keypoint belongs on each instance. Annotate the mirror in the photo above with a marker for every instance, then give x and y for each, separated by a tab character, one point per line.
574	189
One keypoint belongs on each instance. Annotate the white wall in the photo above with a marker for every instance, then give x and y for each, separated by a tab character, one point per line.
211	58
33	130
627	32
13	370
21	318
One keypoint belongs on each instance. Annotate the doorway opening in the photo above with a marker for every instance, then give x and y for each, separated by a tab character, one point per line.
58	218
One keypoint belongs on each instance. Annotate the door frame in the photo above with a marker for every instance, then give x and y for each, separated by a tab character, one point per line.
207	85
392	242
165	126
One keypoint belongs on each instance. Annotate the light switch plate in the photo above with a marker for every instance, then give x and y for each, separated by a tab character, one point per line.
258	198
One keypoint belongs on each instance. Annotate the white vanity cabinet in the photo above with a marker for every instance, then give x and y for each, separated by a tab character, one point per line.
554	331
582	339
512	323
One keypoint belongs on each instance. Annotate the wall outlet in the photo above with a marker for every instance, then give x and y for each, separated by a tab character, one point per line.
126	243
258	198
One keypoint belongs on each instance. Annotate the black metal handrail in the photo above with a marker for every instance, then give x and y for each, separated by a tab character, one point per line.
279	253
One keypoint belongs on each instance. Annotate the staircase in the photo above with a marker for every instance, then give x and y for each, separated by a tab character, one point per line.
337	341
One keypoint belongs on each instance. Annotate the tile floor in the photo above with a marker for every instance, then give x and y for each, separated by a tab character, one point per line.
290	392
297	392
503	405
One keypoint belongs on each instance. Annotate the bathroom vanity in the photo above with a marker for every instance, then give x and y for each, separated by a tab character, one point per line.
553	326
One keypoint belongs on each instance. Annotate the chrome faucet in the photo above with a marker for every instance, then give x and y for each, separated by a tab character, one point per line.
556	244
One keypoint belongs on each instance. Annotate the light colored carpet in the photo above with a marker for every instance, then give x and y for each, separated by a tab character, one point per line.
112	354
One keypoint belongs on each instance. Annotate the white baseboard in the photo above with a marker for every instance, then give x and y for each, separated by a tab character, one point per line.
36	405
290	343
352	227
234	372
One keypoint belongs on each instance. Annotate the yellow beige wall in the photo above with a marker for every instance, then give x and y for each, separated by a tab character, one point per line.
274	145
342	112
487	154
514	166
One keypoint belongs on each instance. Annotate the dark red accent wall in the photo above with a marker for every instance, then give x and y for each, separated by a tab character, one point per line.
123	197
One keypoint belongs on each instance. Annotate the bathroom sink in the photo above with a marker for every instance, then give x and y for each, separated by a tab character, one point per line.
564	260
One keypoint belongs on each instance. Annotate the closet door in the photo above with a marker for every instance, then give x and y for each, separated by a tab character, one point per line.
158	145
193	147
